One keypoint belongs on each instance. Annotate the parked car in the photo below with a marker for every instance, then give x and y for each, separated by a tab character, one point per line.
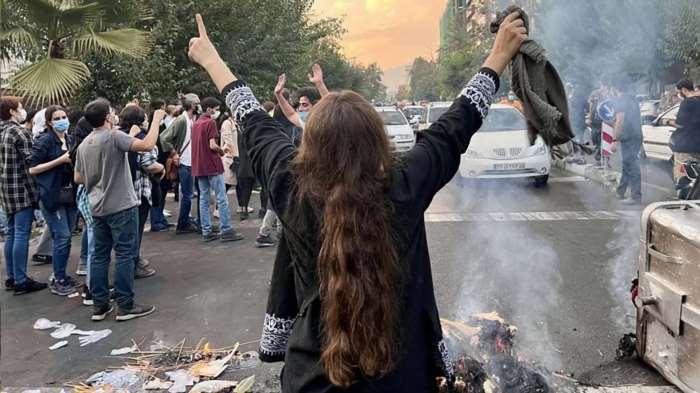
396	126
649	110
657	135
434	111
415	115
502	149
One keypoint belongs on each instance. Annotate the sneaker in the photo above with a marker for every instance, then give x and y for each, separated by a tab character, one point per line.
265	241
10	284
87	297
70	280
244	215
135	311
99	313
29	286
620	196
143	272
209	237
187	229
42	259
159	228
167	213
231	236
62	287
82	270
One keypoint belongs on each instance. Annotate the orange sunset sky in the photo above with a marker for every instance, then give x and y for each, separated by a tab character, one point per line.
389	32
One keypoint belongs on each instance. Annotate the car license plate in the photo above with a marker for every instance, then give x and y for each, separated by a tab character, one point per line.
510	166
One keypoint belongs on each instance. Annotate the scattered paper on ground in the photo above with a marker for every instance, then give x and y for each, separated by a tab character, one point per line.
58	345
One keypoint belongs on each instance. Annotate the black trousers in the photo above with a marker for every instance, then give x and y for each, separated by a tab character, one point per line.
244	189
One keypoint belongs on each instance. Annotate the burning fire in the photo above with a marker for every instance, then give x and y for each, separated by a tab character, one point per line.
206	350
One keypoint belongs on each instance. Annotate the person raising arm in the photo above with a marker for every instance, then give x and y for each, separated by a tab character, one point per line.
354	242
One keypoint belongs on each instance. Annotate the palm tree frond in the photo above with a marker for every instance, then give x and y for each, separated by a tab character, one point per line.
50	80
130	42
41	11
16	34
75	17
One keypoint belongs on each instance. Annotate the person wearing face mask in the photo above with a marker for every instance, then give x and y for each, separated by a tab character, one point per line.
18	195
177	140
51	165
208	169
685	141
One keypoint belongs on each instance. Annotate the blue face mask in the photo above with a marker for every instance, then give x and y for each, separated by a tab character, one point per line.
303	116
61	125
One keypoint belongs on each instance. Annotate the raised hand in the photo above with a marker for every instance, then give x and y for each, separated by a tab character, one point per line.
201	50
316	75
281	82
509	39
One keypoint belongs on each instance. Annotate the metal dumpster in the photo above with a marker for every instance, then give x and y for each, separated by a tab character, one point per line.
668	303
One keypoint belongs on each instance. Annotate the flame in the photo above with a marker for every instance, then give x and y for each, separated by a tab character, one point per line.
206	350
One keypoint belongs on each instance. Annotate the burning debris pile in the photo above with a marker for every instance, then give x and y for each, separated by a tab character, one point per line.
173	369
486	360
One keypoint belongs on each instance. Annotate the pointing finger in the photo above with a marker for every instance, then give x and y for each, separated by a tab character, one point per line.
200	26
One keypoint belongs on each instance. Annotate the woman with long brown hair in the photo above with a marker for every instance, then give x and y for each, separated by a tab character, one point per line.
352	306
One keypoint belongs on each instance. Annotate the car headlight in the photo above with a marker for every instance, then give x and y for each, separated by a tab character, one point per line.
538	149
473	154
404	137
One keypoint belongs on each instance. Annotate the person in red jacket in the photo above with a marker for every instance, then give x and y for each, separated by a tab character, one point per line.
209	171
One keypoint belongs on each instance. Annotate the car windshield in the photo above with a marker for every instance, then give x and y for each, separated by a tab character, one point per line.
503	120
435	113
410	112
392	118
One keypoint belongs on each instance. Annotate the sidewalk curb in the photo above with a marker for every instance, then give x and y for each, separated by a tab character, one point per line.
591	172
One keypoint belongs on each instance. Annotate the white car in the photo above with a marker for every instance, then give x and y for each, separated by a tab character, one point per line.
657	135
501	149
397	128
434	111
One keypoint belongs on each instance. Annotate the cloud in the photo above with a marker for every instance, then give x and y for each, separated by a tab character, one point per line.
389	32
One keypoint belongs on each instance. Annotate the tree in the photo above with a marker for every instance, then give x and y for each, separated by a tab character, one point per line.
423	80
53	34
403	93
259	39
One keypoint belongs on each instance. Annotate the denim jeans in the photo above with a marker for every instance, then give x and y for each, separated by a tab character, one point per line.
116	231
61	224
87	250
631	170
19	227
186	185
206	184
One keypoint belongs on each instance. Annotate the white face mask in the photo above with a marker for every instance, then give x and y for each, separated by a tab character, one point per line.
216	115
22	115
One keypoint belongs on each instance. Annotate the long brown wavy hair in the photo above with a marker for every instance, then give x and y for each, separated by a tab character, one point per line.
344	163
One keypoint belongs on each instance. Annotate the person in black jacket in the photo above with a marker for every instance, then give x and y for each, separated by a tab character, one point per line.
52	167
352	306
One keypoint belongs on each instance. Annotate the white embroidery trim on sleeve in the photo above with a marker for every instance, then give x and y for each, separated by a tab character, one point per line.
242	101
275	335
480	92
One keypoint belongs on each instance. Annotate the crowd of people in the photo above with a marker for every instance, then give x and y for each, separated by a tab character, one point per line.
102	171
627	136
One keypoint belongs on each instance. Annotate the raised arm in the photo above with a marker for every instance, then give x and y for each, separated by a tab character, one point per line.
316	77
270	149
286	107
435	159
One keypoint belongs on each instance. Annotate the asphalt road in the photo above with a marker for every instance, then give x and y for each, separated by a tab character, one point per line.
555	261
